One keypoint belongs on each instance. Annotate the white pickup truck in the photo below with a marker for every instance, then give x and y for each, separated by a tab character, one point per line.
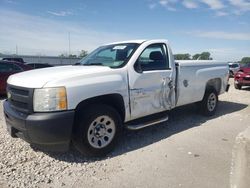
130	84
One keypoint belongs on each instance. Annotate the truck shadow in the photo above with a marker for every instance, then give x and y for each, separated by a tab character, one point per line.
180	119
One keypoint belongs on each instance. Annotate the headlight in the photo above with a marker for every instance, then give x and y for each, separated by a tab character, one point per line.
50	99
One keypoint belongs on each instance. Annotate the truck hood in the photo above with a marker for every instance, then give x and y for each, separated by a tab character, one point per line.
38	78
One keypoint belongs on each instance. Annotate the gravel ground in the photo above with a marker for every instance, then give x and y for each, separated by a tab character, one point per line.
188	151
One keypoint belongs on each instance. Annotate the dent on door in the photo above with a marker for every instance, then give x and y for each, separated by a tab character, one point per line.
152	95
167	94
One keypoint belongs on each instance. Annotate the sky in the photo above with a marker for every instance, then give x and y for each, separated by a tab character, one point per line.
32	27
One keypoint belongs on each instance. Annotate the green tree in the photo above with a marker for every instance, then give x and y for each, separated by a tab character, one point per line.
196	56
206	56
83	53
62	55
72	56
182	56
245	60
202	56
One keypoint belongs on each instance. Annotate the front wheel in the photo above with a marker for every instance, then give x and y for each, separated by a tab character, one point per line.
209	103
97	130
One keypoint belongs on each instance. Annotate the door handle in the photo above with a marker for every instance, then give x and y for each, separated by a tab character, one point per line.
136	89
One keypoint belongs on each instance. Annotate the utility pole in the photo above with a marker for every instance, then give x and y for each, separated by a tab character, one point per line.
69	44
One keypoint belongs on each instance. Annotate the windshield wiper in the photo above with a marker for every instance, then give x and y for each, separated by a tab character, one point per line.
92	64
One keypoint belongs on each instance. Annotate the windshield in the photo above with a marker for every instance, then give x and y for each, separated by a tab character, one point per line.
234	66
113	56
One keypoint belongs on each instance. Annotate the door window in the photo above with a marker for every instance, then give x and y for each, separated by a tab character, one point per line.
16	68
154	57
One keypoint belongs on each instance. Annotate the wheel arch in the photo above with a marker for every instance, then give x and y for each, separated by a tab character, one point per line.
114	100
214	83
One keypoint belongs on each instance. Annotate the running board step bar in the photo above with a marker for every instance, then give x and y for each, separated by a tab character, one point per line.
146	124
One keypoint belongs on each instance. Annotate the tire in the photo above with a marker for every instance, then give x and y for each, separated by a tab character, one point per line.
237	86
97	130
209	103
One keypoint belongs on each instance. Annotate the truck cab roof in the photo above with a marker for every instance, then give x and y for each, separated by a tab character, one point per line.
140	41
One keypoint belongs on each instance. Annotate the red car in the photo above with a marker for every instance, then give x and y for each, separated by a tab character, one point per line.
242	77
8	68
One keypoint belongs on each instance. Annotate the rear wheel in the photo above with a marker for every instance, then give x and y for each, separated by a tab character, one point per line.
237	86
209	103
97	130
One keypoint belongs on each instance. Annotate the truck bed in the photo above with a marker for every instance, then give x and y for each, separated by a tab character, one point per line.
192	74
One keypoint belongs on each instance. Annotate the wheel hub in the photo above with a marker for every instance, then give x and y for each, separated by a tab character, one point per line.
211	103
100	130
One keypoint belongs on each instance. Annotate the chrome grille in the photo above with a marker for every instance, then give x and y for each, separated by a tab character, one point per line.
247	78
20	98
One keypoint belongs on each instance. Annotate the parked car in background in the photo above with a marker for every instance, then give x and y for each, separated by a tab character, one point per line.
38	65
233	68
8	68
16	59
242	77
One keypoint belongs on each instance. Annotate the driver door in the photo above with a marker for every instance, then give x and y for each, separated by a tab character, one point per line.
152	85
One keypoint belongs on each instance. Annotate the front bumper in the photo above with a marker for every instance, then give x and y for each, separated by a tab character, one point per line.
243	80
50	131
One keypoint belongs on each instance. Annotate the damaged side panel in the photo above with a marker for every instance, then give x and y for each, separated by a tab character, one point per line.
152	92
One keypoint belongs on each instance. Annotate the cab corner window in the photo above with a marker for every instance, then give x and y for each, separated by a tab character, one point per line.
154	57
